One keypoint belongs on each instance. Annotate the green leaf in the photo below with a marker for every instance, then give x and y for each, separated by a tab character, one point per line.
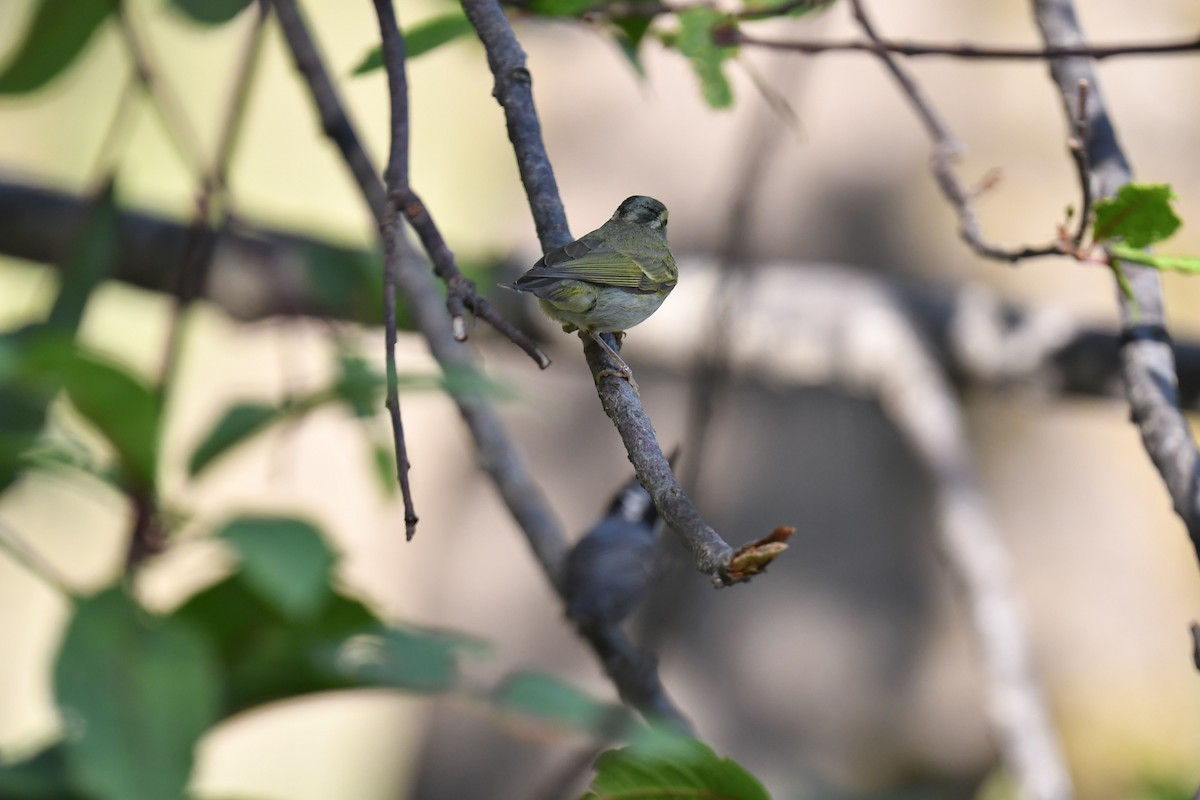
398	658
383	462
695	41
136	693
1139	215
286	561
26	390
629	33
56	35
359	386
239	423
43	777
92	258
679	768
562	8
209	12
547	700
769	8
266	656
420	39
349	284
122	408
1183	264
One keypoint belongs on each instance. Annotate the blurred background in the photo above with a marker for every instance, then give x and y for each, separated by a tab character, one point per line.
850	670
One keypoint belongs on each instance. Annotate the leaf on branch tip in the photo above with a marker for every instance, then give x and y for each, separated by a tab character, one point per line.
695	40
1139	215
754	557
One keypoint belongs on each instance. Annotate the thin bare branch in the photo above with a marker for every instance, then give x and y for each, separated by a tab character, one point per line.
396	181
735	36
945	149
25	555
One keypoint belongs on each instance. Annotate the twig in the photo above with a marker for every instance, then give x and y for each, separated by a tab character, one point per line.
212	203
945	149
498	456
396	181
108	155
620	400
1077	145
337	127
334	122
1148	366
880	46
166	104
32	560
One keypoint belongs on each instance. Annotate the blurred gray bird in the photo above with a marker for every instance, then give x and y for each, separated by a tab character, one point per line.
609	569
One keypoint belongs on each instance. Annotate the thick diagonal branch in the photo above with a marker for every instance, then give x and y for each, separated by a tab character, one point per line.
1148	366
513	90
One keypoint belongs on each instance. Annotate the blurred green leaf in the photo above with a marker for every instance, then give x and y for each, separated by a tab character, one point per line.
56	35
359	386
770	8
209	12
1139	215
398	658
673	768
122	408
266	656
543	699
287	561
562	8
239	423
383	463
42	777
1163	787
25	389
629	33
91	260
695	41
420	39
350	284
1183	264
137	693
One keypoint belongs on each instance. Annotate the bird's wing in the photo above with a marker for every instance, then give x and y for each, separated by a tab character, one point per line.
659	271
590	259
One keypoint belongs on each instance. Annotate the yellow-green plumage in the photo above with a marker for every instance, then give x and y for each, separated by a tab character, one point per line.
610	279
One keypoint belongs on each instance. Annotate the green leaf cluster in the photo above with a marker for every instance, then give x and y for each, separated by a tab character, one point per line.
138	690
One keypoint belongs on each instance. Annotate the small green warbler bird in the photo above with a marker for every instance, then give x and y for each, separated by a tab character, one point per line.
610	279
